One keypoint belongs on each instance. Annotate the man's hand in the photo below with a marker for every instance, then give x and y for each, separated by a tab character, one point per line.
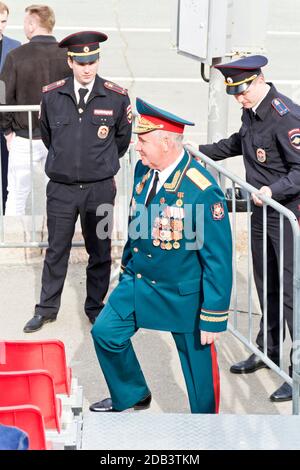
208	337
265	190
9	138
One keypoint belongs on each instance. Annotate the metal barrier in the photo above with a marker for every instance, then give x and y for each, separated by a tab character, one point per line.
283	213
124	177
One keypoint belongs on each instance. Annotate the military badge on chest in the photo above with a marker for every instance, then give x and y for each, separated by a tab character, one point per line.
167	230
261	155
294	138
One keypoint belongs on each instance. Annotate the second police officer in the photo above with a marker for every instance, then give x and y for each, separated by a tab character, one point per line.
269	140
86	126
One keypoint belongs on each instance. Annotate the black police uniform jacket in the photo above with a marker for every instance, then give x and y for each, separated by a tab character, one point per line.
84	147
270	145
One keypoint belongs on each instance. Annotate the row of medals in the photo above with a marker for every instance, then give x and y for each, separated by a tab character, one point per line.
168	228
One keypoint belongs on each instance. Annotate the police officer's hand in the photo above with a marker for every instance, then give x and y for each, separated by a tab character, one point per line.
9	138
207	337
265	190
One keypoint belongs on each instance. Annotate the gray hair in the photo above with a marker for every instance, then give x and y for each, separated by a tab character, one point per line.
176	138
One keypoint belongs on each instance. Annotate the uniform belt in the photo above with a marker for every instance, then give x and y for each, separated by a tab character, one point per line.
83	183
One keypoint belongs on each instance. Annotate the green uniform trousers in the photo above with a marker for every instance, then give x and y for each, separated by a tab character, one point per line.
123	374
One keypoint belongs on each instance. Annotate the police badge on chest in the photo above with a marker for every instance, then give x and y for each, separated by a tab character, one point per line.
261	155
103	132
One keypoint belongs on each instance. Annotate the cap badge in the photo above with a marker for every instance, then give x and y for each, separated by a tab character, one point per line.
103	132
86	49
261	155
229	80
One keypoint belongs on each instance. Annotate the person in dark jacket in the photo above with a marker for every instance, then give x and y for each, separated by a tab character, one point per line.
86	126
26	70
269	142
6	45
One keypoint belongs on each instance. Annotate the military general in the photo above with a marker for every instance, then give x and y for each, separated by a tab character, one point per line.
176	270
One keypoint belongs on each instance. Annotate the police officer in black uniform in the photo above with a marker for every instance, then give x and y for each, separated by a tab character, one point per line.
86	126
269	140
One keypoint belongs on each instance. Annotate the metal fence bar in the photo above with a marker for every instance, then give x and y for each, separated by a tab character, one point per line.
281	280
234	265
265	279
33	225
291	218
250	271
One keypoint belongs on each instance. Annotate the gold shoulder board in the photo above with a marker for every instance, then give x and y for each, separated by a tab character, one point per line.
200	180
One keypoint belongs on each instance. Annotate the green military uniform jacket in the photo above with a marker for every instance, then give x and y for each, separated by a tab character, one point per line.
173	279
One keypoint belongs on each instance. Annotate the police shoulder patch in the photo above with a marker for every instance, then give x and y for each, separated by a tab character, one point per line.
53	85
280	107
114	87
198	178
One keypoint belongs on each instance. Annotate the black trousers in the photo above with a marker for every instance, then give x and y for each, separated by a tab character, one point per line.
273	253
4	169
64	204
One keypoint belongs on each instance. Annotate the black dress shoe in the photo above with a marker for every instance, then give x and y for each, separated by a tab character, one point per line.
251	364
283	393
106	405
36	323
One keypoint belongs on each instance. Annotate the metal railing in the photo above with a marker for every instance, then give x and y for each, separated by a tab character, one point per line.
233	326
124	177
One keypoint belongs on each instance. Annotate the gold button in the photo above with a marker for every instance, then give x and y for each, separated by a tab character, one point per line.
139	276
153	282
135	249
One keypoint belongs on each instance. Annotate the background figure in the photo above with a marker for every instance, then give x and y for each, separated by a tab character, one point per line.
86	126
12	438
6	45
25	71
176	270
269	141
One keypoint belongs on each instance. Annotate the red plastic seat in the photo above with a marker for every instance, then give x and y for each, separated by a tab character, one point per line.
35	387
30	355
29	419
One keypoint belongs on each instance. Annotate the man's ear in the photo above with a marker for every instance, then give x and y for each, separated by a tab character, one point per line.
70	63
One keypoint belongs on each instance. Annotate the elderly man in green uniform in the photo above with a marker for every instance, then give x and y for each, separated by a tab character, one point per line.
176	270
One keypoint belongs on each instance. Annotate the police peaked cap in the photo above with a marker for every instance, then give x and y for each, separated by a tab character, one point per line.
83	46
239	74
153	118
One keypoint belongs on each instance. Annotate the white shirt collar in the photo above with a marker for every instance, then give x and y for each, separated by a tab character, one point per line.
78	85
267	91
164	174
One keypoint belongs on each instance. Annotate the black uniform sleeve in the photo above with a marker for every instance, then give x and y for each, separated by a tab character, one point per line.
225	148
289	184
44	123
8	76
124	127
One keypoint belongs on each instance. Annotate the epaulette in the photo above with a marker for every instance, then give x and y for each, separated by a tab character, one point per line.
280	107
53	85
114	87
198	178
